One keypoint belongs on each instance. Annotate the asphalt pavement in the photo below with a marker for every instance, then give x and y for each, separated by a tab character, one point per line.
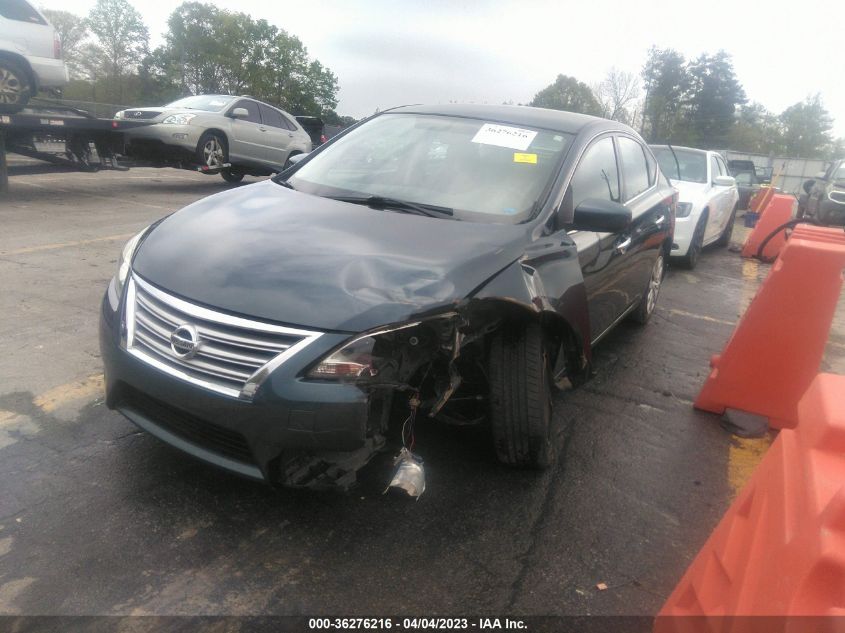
98	518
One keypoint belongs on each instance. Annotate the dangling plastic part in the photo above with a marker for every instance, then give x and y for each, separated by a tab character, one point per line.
409	475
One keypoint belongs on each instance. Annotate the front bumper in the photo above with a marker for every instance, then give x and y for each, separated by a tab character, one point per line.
684	230
161	140
294	431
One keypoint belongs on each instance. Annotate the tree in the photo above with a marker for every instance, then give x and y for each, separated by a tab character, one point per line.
714	93
567	93
806	128
122	36
667	83
617	94
72	32
210	50
756	130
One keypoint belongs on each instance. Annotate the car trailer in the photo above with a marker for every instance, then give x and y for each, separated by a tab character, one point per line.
87	143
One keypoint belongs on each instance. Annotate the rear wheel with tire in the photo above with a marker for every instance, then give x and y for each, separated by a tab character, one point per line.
520	380
725	237
691	258
649	302
212	150
15	86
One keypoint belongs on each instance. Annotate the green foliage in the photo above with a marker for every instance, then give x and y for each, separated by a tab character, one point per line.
667	83
122	36
567	93
211	50
72	31
702	103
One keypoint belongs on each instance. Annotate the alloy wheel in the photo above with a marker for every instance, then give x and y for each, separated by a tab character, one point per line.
212	152
11	87
654	284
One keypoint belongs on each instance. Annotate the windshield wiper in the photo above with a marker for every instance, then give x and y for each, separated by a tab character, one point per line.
380	202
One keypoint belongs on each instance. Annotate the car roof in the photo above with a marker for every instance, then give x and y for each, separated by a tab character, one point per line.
686	149
557	120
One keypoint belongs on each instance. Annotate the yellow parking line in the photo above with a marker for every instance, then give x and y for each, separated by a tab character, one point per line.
701	317
744	455
56	245
86	389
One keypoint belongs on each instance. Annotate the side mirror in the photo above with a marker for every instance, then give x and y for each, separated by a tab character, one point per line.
602	216
724	181
808	186
293	160
239	113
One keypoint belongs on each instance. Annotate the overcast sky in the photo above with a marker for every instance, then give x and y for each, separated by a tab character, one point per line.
390	53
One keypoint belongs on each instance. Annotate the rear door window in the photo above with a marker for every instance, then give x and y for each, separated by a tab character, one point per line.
21	11
634	167
272	117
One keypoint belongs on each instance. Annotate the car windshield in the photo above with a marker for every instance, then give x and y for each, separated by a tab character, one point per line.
482	171
209	103
690	166
840	173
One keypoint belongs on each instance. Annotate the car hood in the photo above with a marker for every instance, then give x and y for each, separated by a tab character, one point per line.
280	255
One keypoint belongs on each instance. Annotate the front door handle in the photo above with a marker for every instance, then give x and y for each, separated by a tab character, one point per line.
660	220
263	129
622	247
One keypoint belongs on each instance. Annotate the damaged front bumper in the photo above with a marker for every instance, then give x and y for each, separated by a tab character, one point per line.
294	432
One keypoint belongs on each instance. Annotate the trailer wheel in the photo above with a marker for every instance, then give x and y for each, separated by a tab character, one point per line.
15	86
230	175
520	381
212	150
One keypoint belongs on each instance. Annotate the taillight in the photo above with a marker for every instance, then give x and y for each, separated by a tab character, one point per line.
57	46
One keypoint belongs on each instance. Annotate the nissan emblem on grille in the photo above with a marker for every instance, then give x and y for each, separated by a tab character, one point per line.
185	341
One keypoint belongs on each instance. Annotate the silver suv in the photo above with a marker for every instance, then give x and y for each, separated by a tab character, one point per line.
212	130
30	55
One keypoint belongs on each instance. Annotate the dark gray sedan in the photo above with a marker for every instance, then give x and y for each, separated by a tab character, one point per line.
449	262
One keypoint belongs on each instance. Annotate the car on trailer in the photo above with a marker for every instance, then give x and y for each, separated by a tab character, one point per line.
708	199
30	55
225	134
456	262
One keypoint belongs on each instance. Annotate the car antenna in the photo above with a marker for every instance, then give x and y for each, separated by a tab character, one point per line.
677	164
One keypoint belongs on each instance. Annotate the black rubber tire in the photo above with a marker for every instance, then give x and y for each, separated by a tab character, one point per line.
646	308
519	374
202	159
690	260
232	176
725	238
21	78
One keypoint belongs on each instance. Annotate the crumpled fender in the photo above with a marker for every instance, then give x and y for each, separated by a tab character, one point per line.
550	286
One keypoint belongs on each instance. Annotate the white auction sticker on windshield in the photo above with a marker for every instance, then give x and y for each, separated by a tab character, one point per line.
504	136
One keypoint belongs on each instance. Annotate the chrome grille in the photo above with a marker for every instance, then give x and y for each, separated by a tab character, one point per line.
232	355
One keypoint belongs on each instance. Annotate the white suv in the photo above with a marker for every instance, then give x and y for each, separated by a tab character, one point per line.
30	55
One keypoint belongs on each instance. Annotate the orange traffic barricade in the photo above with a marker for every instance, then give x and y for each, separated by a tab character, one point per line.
778	211
777	347
777	558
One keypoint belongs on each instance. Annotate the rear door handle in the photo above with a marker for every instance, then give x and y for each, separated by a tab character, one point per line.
660	220
622	247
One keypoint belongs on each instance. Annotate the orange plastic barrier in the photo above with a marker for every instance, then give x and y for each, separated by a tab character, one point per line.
760	199
779	210
779	551
777	347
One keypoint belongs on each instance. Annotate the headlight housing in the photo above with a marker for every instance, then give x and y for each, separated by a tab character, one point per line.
359	358
179	119
683	209
119	115
123	263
